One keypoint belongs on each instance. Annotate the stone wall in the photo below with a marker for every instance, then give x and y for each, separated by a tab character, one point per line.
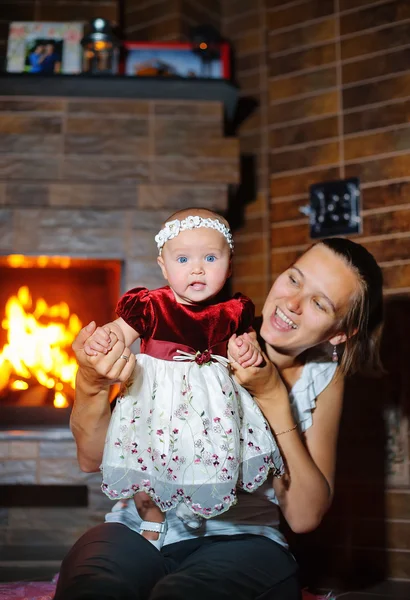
93	179
34	539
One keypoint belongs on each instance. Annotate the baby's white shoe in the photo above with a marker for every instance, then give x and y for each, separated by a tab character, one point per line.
160	528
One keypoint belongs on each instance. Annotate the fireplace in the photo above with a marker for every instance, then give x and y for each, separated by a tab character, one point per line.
44	302
89	180
85	184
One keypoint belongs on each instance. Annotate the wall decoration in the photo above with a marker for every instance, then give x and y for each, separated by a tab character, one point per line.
397	449
44	48
334	208
168	59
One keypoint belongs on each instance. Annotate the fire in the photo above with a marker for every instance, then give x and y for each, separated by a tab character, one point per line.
37	340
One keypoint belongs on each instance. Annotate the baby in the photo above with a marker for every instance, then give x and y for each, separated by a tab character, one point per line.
183	431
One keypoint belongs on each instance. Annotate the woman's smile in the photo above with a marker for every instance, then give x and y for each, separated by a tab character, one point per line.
281	321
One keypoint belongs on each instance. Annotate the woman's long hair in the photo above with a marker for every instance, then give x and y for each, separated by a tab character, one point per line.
363	322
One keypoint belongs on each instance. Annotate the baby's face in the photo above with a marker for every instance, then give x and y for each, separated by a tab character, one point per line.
196	264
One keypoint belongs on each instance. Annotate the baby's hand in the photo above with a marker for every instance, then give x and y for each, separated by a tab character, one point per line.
244	349
263	380
100	342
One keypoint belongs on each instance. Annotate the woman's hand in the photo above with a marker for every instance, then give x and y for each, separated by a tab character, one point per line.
91	412
103	369
263	381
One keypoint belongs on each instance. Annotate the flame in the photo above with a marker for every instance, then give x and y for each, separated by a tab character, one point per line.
20	260
36	345
19	385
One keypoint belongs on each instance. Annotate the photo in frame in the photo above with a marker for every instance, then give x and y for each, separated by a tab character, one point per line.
173	59
44	48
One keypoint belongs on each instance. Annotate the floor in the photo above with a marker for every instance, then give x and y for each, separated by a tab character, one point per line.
388	590
44	571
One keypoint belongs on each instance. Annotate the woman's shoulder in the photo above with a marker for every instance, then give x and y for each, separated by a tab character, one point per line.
317	374
318	371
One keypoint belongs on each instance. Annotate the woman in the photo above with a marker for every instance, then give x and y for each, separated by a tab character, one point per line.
321	319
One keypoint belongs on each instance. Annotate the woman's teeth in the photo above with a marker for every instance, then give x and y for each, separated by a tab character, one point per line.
285	319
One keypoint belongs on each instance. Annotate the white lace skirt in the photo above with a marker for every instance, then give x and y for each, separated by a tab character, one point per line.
185	432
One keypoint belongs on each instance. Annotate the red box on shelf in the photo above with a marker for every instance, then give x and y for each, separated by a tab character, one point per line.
174	59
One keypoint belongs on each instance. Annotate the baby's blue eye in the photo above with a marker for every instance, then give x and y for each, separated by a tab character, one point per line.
182	259
210	258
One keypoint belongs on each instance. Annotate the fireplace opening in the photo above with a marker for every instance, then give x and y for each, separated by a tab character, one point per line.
44	302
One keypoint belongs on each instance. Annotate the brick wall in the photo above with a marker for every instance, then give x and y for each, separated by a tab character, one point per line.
332	86
141	19
244	25
332	82
51	10
167	19
338	93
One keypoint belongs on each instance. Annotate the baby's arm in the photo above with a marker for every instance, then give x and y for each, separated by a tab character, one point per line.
103	339
244	351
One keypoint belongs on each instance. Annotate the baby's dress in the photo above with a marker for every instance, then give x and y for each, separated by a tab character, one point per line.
183	429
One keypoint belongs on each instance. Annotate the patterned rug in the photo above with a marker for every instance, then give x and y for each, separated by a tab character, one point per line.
43	590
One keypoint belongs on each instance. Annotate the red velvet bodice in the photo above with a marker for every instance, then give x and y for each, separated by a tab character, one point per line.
159	318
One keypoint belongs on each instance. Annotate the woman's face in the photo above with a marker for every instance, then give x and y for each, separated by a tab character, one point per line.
307	302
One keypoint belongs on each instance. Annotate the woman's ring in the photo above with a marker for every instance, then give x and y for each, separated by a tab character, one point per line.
126	358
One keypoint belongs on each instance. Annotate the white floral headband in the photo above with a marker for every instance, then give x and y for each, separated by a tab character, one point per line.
173	228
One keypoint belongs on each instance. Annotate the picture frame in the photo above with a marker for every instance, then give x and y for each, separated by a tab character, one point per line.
174	59
44	48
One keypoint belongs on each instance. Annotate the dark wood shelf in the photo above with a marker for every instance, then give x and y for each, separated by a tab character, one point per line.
20	417
121	86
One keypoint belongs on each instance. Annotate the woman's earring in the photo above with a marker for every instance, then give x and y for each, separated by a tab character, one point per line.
335	357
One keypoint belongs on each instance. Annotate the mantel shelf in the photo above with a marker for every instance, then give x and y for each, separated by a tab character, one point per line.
118	86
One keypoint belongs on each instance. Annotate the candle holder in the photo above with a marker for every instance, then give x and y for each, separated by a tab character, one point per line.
100	49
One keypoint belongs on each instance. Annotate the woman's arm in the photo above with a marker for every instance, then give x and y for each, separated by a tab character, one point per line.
91	411
89	423
305	491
